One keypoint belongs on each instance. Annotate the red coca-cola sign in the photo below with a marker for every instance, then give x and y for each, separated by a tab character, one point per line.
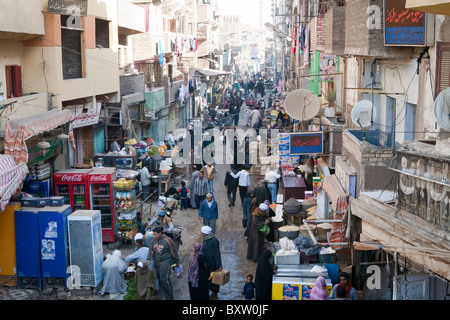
99	178
70	178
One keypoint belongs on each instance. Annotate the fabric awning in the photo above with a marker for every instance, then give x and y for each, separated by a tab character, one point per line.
12	176
338	197
19	130
211	72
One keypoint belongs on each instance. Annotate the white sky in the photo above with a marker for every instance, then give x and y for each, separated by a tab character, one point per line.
249	10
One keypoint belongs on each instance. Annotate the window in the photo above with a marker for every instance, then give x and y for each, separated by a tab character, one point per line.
71	50
13	81
442	67
102	33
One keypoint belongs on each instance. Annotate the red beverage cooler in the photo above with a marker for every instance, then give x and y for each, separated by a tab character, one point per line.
103	198
73	186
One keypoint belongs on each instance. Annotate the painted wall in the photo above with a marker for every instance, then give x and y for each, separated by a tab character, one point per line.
24	11
100	66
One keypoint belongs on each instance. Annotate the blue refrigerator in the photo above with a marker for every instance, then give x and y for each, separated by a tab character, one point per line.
38	188
54	245
28	259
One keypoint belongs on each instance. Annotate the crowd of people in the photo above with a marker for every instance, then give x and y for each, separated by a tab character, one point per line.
156	255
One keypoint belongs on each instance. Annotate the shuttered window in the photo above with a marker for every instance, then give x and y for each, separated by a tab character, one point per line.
442	67
13	81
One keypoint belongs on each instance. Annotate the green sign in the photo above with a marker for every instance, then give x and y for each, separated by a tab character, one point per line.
36	154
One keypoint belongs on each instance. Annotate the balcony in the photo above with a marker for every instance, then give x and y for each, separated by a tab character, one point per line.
369	158
131	18
423	187
155	100
205	13
13	27
316	28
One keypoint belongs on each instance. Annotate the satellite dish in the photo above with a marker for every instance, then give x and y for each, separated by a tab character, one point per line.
442	109
362	114
302	104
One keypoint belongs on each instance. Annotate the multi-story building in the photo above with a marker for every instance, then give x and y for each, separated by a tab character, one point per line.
394	171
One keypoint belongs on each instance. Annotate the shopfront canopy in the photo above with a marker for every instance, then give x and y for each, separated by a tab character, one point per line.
338	198
211	72
19	130
12	176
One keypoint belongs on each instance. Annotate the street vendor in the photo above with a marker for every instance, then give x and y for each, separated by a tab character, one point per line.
140	254
163	221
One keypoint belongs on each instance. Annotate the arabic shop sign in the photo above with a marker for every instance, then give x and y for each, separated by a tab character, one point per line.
306	143
403	26
88	118
68	7
36	154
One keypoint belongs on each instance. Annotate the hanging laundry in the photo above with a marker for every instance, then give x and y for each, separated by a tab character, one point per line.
161	54
181	93
294	39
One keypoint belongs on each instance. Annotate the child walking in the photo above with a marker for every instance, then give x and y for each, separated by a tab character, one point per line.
248	291
183	191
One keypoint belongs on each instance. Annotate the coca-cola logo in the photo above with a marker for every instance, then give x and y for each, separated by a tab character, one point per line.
102	177
72	178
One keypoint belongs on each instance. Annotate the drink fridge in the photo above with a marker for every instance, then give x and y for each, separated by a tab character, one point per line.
28	260
102	198
54	245
73	186
85	246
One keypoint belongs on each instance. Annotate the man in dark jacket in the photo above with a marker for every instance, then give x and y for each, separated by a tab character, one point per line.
231	185
211	251
164	253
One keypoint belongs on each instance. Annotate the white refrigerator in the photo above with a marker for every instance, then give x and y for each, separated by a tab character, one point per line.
86	249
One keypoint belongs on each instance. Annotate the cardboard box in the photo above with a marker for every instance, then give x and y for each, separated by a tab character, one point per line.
40	202
221	278
27	202
55	201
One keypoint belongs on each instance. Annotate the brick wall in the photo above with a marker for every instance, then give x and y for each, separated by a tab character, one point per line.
362	41
335	31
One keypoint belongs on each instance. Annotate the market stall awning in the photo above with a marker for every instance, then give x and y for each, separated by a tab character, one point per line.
338	198
211	72
12	176
19	130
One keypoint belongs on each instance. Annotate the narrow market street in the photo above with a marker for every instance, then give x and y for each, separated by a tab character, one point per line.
126	127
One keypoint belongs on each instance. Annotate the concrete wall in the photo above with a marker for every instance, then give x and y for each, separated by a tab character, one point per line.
100	66
22	16
10	54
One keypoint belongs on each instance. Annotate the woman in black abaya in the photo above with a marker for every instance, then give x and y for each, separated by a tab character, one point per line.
263	277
